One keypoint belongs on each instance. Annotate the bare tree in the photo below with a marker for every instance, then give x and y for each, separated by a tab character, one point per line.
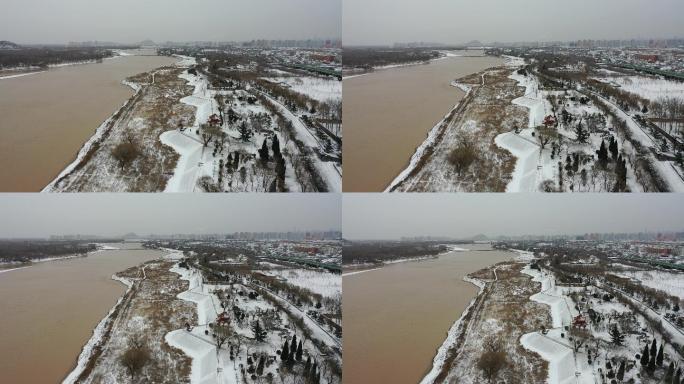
136	356
209	131
126	151
492	359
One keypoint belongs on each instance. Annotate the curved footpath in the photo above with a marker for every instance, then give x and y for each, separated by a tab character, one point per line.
528	172
564	367
206	359
189	148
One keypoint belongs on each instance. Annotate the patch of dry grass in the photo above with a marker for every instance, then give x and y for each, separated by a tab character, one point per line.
152	309
503	312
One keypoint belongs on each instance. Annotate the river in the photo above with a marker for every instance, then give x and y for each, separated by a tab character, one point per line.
388	113
47	116
49	311
396	317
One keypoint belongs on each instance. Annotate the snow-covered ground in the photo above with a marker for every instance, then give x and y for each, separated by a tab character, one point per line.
329	171
11	269
20	75
85	149
317	88
670	282
318	281
650	88
197	161
360	271
533	166
564	367
665	169
197	345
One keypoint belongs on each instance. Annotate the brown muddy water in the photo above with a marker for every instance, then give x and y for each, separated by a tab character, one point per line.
46	117
48	311
388	113
395	318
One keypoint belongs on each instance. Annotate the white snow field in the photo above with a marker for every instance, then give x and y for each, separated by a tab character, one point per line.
650	88
317	88
564	367
324	283
670	282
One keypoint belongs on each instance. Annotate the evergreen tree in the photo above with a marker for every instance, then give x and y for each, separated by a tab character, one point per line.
581	133
259	332
236	160
621	371
659	356
651	364
275	146
307	366
615	335
313	372
293	345
299	351
280	168
293	351
620	175
602	154
613	147
644	356
245	132
260	366
654	348
670	372
285	354
263	152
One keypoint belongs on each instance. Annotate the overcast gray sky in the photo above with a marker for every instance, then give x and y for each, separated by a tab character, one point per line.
40	215
368	22
389	216
128	21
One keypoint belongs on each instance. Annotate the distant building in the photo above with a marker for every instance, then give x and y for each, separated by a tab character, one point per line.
648	58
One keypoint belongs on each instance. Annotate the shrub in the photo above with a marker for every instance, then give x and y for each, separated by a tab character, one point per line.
463	156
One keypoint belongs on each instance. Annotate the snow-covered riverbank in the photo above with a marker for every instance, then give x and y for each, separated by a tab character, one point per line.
452	336
367	267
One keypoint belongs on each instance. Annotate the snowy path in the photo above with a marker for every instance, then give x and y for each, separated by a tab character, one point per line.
185	175
320	333
529	171
209	366
525	176
190	149
330	173
676	335
665	168
564	366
